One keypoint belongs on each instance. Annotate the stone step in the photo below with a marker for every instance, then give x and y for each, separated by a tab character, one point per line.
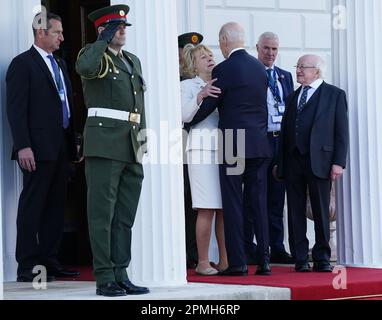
60	290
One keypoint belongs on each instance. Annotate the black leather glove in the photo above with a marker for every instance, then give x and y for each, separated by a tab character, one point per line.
109	32
79	141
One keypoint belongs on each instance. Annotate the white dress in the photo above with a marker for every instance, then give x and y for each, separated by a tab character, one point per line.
201	149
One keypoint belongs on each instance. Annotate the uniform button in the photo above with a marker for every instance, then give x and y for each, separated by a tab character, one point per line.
136	110
115	78
111	70
135	92
132	77
117	72
100	124
134	127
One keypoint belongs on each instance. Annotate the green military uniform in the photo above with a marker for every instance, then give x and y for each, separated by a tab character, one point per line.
114	95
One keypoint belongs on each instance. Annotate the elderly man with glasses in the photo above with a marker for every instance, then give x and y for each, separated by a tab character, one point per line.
312	153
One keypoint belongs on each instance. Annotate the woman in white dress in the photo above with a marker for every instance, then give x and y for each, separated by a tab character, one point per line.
202	154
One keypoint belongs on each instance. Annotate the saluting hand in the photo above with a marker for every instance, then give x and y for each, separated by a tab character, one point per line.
209	91
107	34
337	172
26	160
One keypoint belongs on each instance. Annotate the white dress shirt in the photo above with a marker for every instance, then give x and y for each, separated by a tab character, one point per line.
313	87
234	50
44	55
272	111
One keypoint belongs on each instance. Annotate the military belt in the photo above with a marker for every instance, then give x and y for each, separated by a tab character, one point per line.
115	114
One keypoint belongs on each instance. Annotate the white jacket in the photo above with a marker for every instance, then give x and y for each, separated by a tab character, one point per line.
204	135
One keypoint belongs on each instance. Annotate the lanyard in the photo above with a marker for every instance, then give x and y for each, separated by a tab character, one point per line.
274	88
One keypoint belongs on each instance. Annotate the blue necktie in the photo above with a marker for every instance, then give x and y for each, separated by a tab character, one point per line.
272	84
61	91
271	80
303	100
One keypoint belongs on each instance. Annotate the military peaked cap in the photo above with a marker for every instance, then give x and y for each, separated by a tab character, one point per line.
116	13
191	37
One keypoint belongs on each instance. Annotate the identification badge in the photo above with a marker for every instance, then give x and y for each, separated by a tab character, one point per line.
277	119
281	108
62	95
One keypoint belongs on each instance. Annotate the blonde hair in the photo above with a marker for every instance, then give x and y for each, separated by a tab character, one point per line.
188	67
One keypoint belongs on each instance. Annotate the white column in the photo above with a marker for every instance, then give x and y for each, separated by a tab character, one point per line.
158	249
16	36
357	48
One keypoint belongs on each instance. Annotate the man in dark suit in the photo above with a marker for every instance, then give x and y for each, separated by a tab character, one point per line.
245	147
39	101
280	86
312	154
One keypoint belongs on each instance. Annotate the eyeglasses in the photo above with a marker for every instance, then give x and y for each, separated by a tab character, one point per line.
302	67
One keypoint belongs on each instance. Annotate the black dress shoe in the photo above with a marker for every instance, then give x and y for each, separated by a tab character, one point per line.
131	288
63	273
234	271
31	277
281	257
110	289
263	269
302	267
322	267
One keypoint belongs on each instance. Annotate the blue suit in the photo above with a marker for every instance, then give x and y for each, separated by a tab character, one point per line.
276	190
242	105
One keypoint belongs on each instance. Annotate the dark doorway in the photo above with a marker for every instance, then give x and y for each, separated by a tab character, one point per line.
78	31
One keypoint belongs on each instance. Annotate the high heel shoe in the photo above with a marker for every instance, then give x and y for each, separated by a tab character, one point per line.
206	272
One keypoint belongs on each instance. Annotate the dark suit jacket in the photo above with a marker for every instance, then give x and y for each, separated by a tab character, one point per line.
242	103
34	107
286	81
329	138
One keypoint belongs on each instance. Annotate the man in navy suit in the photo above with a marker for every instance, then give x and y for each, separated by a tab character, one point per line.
245	146
280	86
39	100
313	149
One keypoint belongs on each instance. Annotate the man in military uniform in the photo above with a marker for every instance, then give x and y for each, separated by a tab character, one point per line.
190	214
114	95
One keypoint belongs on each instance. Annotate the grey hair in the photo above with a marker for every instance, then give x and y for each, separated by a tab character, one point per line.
321	66
233	32
269	36
317	62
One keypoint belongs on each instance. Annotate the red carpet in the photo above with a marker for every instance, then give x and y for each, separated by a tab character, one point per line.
362	284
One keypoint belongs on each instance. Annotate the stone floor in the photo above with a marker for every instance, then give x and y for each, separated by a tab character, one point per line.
195	291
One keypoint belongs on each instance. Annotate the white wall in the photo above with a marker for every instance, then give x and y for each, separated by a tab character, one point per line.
16	36
303	27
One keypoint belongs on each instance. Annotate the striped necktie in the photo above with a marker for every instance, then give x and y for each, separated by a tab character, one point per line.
303	100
